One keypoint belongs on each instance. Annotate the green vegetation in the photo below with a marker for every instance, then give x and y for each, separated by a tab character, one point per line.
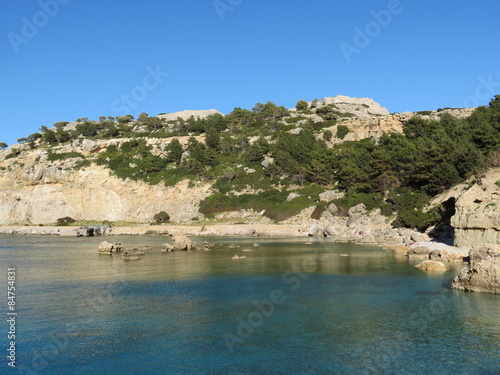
63	156
65	221
272	202
342	131
161	217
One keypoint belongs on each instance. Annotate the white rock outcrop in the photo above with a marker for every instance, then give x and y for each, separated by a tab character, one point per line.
188	113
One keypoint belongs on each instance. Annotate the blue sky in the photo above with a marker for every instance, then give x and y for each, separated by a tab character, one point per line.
66	59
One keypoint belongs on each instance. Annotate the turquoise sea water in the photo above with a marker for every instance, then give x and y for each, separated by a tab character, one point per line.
288	308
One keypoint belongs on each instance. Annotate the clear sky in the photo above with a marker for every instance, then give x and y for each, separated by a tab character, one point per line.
66	59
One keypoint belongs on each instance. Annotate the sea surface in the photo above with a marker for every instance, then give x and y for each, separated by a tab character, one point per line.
289	308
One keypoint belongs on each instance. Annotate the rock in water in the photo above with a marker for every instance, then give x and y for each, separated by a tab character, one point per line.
482	276
130	257
106	247
431	266
183	243
166	247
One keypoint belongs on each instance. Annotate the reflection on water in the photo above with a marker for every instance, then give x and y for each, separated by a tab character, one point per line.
288	308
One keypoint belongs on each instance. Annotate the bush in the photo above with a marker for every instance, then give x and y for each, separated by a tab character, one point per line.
342	131
301	105
411	218
65	221
318	211
162	217
64	156
327	135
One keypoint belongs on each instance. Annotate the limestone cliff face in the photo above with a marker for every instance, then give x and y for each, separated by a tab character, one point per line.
477	217
35	191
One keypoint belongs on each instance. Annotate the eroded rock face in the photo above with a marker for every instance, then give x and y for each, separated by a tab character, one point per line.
44	194
477	215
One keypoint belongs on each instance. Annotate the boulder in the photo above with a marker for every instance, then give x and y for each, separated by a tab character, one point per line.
431	266
398	249
333	209
357	209
419	252
166	247
181	243
439	255
353	219
106	247
89	146
482	276
330	195
314	230
478	253
419	237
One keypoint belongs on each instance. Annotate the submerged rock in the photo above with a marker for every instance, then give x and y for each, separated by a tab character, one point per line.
238	257
431	266
130	257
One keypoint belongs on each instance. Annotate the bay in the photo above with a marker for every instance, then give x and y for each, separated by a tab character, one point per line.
289	308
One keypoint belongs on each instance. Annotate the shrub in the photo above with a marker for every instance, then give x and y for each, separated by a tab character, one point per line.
327	135
342	131
65	221
301	105
66	155
318	211
424	113
411	218
162	217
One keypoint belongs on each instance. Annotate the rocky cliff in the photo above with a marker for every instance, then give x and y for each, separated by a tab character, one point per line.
34	190
477	216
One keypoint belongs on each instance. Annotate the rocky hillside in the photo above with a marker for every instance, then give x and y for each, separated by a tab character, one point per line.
268	164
